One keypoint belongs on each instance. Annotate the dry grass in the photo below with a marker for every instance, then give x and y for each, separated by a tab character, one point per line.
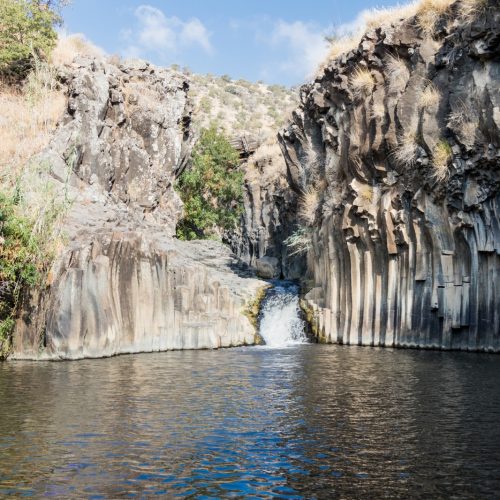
265	163
405	153
342	46
397	72
269	151
471	9
429	12
385	16
464	123
239	107
365	192
27	120
429	97
308	205
114	59
362	82
69	47
373	18
441	156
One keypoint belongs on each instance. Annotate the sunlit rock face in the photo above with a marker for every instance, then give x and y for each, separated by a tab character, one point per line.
399	139
131	292
126	132
121	283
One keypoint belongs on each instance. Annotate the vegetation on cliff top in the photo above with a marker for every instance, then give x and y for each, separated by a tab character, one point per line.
27	32
30	209
426	13
239	107
212	189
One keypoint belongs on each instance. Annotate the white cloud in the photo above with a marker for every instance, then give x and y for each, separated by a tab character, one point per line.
303	46
352	28
161	34
156	30
194	32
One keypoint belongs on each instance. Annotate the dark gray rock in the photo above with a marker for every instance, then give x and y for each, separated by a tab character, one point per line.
267	267
405	233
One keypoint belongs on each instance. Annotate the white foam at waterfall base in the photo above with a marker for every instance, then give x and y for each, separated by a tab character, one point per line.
280	322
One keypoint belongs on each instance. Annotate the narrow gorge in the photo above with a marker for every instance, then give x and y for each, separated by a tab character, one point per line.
296	289
381	197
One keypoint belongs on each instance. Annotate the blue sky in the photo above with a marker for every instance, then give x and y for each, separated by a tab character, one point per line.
276	41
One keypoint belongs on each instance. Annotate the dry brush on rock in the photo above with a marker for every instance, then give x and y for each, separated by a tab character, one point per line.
406	250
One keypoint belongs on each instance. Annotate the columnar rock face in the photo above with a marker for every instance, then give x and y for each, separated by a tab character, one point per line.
270	207
131	292
398	140
121	283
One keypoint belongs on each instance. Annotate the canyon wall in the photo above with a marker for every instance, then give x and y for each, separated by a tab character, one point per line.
393	156
269	211
120	282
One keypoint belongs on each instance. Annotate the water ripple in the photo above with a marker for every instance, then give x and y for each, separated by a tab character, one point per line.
305	422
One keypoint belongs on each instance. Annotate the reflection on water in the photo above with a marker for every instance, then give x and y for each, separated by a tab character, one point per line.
309	421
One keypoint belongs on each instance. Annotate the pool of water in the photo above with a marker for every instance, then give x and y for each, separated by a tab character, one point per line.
308	421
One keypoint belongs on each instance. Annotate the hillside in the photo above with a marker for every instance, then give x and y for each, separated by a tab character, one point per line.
240	107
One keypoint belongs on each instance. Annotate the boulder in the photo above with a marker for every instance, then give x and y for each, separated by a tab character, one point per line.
267	267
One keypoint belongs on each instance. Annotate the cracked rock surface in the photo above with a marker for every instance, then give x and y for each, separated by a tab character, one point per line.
122	283
398	140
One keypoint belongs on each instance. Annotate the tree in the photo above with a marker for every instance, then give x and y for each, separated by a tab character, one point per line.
212	189
26	31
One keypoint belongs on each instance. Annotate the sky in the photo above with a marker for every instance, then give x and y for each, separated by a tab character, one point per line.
276	41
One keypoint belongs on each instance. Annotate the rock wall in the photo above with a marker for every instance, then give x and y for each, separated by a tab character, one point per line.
127	133
127	292
270	207
395	148
120	282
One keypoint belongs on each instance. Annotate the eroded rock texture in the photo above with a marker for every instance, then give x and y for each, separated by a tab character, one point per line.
270	207
127	133
121	283
399	139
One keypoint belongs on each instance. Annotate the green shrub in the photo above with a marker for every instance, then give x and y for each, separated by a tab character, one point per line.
212	189
26	31
6	327
26	253
20	248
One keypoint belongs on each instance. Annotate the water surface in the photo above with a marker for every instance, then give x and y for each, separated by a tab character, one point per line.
309	421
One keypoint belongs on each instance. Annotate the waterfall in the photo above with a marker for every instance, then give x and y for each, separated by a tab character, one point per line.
281	323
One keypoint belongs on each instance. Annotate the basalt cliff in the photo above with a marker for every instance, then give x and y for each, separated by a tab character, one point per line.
391	188
121	282
381	196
